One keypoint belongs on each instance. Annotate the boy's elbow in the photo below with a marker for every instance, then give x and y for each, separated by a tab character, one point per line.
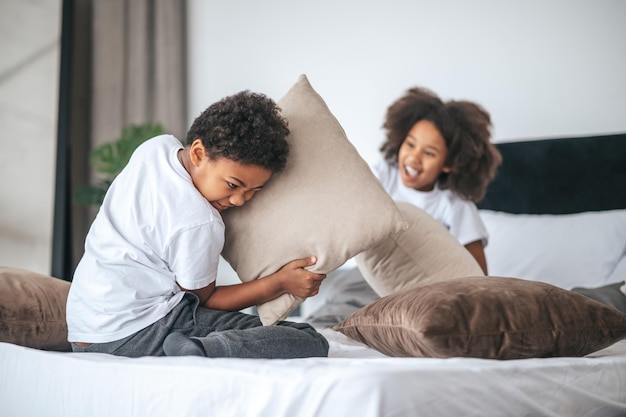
204	293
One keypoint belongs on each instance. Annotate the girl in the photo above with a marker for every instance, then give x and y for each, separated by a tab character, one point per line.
438	156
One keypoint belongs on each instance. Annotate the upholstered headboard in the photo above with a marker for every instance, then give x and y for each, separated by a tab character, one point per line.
556	211
560	176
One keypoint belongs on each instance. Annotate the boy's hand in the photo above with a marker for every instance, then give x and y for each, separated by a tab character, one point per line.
298	281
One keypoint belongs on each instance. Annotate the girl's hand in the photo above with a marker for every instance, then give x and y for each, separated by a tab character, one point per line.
298	281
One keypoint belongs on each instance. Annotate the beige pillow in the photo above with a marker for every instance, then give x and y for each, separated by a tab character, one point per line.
326	202
486	317
423	253
32	309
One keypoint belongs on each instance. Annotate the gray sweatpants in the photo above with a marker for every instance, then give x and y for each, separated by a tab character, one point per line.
223	333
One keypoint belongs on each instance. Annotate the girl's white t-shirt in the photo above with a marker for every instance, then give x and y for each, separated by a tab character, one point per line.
153	232
456	214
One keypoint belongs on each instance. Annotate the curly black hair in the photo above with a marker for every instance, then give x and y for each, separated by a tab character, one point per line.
466	129
246	127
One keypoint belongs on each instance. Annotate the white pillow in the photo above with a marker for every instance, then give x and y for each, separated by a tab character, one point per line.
567	250
326	202
619	273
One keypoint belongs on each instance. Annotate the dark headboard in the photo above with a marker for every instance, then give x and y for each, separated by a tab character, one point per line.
560	176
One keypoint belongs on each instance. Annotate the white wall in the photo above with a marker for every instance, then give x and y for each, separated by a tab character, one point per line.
29	55
542	68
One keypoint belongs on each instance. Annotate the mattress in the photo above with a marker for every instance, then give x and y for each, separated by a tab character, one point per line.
353	381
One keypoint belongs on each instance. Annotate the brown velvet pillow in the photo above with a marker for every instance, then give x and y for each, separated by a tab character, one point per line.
486	317
32	309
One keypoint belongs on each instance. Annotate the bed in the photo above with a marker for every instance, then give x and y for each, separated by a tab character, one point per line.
352	382
532	213
355	379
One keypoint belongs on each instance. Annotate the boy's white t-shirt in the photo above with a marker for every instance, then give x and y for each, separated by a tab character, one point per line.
456	214
153	230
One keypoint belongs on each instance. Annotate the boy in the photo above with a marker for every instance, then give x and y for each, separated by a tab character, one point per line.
146	282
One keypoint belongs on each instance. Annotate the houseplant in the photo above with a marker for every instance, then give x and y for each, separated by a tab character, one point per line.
108	159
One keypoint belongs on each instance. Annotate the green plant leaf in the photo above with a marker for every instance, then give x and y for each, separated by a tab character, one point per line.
110	158
88	195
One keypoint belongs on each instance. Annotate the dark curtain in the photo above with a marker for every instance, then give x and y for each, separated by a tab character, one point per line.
123	62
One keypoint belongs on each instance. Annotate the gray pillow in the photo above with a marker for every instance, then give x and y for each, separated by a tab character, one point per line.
342	293
608	294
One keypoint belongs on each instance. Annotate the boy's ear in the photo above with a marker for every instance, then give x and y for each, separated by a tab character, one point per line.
447	170
197	152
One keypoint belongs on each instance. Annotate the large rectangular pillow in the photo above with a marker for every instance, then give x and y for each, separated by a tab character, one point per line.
486	317
326	202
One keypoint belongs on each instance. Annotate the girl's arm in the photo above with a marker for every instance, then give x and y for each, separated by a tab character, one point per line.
477	251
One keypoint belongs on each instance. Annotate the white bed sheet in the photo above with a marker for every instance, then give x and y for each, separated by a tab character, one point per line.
353	381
